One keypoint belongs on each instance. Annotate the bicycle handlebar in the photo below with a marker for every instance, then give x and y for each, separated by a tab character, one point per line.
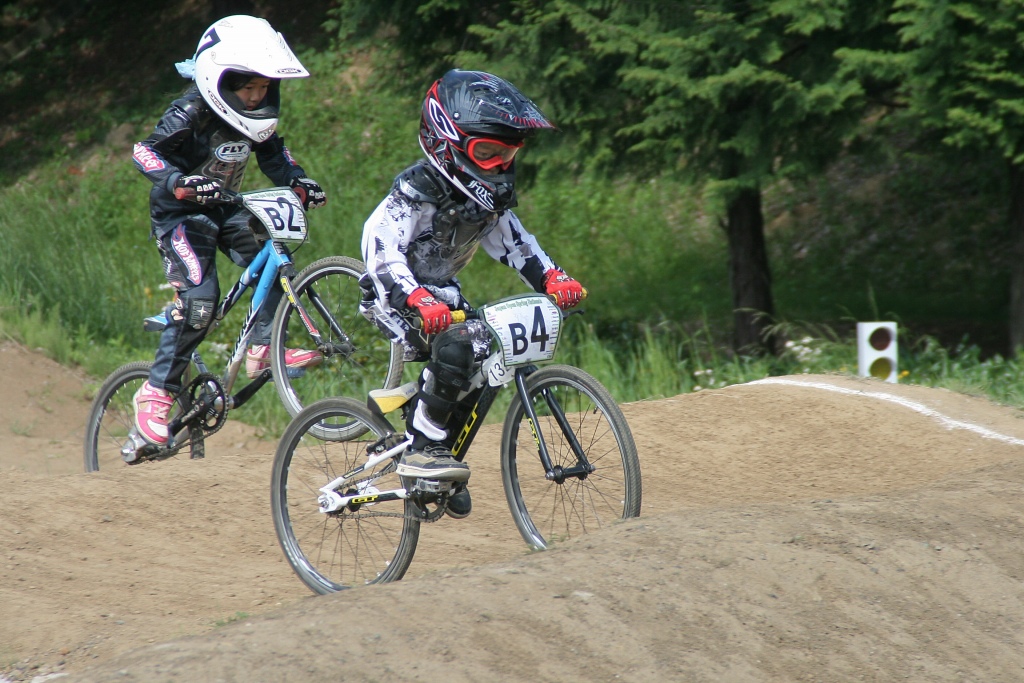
226	196
460	316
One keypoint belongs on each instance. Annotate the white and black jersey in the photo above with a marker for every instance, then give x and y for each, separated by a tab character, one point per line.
420	235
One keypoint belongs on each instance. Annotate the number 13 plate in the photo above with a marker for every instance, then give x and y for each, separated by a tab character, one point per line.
526	327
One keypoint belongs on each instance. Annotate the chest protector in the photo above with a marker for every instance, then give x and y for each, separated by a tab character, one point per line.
223	152
226	160
456	229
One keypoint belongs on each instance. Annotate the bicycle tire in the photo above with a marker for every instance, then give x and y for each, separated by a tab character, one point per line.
546	511
374	363
112	415
333	551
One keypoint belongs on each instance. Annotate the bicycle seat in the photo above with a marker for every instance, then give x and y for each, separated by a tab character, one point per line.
384	401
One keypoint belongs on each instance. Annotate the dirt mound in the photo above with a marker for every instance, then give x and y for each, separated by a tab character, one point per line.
806	528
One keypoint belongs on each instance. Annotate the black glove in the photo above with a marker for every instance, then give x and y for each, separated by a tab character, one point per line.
310	193
196	188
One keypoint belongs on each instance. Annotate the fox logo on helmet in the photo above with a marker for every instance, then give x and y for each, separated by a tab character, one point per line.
482	194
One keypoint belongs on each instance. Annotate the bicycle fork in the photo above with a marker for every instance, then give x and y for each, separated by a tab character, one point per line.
556	473
343	346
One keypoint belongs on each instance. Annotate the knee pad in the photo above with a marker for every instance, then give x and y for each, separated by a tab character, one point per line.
192	313
451	357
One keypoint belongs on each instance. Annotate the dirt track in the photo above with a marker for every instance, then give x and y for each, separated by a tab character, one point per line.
789	533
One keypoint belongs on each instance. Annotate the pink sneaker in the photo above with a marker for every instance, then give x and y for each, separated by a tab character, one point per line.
258	359
152	406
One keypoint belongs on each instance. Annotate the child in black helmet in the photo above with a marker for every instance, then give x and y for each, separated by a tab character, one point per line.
439	211
200	146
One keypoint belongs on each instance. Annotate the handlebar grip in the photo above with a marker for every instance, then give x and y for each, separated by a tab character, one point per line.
226	196
554	299
458	316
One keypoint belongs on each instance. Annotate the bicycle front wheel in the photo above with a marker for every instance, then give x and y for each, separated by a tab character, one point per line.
364	542
359	359
580	423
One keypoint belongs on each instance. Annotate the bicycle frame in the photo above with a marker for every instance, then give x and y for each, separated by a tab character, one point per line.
282	215
492	376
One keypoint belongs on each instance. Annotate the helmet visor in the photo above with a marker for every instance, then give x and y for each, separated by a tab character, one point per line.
489	153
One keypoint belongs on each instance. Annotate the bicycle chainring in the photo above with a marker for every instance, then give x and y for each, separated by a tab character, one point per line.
209	402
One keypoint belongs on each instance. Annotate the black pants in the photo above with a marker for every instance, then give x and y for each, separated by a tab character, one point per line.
455	355
189	253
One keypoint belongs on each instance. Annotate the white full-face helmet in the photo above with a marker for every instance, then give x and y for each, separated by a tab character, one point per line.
234	49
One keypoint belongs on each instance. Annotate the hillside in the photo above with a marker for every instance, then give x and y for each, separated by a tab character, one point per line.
75	70
808	528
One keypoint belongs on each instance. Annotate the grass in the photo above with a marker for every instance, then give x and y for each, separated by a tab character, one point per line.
878	237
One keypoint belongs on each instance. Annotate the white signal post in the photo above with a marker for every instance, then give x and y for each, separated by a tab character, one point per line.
877	350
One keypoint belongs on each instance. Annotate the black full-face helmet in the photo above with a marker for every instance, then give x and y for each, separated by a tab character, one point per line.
472	126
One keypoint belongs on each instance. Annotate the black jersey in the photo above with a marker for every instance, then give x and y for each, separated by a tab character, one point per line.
190	139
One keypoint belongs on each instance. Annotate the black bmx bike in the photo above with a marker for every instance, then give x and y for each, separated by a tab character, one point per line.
569	465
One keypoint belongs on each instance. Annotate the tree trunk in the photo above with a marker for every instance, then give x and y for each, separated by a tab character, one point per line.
1017	257
749	275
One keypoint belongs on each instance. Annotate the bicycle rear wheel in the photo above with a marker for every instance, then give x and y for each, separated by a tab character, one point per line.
112	416
371	542
329	292
572	408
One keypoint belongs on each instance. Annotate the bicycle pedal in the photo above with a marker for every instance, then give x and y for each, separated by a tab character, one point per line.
136	449
294	373
432	486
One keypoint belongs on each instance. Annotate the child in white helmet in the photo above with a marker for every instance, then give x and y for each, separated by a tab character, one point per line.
200	146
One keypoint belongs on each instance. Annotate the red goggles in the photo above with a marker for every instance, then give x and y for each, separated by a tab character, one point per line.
488	153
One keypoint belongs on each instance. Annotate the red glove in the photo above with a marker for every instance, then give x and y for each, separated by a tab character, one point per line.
566	291
436	315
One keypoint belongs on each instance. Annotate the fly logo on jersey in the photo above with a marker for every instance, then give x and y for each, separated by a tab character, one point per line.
146	158
188	257
232	152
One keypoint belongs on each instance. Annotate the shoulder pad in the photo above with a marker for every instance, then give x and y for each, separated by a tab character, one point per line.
422	183
194	106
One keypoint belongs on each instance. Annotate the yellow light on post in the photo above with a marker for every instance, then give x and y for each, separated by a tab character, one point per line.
876	350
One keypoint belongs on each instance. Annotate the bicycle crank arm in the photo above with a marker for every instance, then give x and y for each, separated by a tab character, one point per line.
250	389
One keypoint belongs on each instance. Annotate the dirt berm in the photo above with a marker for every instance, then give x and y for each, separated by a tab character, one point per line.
813	528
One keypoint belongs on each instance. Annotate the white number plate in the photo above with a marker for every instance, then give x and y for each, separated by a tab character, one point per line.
526	326
280	210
